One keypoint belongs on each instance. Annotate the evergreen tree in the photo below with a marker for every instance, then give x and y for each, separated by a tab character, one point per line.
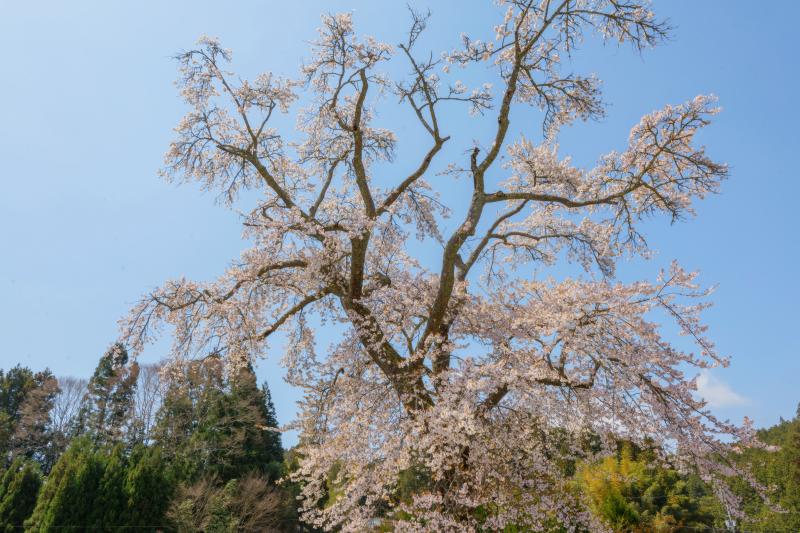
187	423
101	489
14	387
68	497
148	489
108	402
213	426
793	454
254	412
274	444
110	503
33	436
26	399
19	488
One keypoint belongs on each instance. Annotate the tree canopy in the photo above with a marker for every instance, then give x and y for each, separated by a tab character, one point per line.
109	397
460	364
218	426
214	439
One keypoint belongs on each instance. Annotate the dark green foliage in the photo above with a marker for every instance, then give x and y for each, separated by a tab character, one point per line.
618	512
779	472
254	413
19	488
213	459
67	499
147	488
190	426
108	403
110	503
212	426
273	438
291	463
217	432
102	489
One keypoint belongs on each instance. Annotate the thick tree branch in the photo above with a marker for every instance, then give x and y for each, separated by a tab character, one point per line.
358	148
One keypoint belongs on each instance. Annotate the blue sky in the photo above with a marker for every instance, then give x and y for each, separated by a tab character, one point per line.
86	226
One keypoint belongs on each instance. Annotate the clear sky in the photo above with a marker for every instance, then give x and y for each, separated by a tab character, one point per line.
88	107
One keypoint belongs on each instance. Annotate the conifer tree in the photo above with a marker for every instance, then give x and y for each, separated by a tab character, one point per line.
33	436
26	399
67	499
273	437
216	425
19	487
255	413
108	402
14	387
111	502
100	489
148	489
187	424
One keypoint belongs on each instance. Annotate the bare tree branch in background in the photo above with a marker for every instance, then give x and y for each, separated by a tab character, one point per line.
67	403
148	399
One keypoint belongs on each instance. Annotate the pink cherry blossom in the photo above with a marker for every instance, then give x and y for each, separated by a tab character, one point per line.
465	371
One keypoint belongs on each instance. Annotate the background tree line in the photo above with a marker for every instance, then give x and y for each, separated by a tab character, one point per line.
200	452
127	449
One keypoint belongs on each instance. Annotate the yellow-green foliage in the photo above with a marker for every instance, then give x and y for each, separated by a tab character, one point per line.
629	493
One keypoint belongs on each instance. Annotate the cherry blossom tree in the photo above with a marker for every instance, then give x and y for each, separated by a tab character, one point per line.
461	368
